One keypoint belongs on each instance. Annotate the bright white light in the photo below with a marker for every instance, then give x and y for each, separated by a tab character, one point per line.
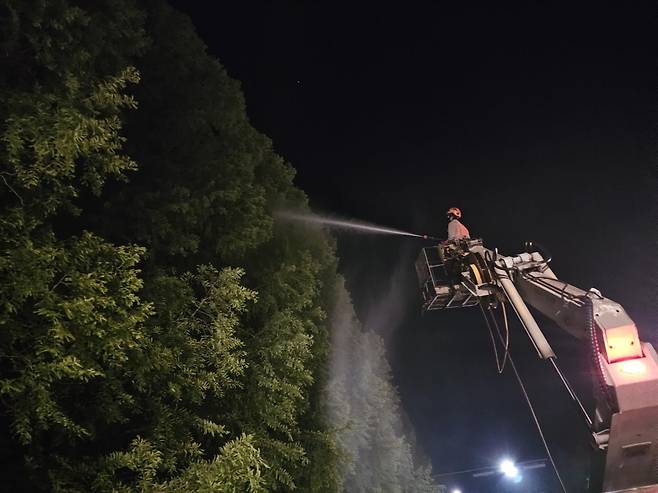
456	490
633	367
508	468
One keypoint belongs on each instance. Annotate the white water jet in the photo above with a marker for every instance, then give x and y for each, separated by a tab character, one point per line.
343	223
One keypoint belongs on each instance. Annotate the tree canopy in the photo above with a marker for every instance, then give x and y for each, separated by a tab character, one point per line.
159	331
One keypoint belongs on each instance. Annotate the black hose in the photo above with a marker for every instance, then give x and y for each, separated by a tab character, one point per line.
528	401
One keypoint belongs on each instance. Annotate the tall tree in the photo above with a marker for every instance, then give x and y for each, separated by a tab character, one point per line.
88	368
69	310
208	180
206	191
196	361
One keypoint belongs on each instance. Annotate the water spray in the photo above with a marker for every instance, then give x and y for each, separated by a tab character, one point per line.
347	224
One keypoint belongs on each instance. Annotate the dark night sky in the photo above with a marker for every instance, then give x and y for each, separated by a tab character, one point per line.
538	121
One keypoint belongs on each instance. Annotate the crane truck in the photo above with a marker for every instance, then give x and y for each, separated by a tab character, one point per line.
624	424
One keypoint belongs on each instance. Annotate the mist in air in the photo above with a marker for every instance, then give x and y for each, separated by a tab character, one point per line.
375	439
364	409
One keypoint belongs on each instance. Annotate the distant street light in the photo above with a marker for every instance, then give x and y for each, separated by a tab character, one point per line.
508	468
456	490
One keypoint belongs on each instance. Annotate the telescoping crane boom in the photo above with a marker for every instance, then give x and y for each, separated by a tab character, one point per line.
624	427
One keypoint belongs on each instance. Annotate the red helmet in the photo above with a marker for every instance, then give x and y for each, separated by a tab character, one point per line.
455	212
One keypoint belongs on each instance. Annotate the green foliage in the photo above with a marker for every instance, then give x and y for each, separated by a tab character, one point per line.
43	41
77	323
193	344
60	109
236	469
284	364
70	314
207	185
170	394
208	180
48	135
129	362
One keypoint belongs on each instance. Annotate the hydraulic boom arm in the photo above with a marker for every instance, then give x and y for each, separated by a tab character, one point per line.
626	415
625	423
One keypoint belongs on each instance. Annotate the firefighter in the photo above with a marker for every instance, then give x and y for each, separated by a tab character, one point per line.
450	251
456	230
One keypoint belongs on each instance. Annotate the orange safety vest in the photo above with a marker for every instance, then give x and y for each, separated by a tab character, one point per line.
457	230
